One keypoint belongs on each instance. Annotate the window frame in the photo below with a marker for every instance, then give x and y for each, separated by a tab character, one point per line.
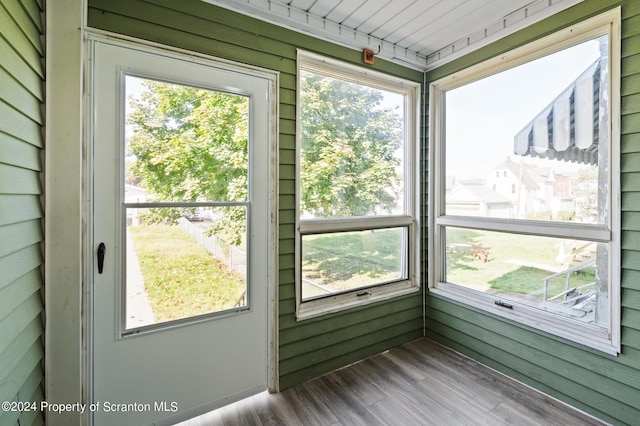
333	302
595	337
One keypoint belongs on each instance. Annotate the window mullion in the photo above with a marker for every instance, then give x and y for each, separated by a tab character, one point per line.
597	233
315	226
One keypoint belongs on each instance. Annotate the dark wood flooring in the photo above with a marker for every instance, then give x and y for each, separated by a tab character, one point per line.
421	383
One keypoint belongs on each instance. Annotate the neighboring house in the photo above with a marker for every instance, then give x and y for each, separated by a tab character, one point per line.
475	199
564	192
134	194
528	187
514	189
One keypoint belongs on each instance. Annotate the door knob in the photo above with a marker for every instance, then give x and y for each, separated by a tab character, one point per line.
102	250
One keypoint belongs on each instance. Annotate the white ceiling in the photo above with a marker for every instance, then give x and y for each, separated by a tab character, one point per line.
422	34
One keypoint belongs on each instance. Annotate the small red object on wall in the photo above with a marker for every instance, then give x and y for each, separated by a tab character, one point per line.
368	56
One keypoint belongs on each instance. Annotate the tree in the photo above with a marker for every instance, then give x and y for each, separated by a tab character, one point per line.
190	144
587	196
349	163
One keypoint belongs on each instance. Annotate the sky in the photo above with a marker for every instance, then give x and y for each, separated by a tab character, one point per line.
483	117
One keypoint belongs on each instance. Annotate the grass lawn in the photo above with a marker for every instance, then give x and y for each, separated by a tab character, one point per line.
517	263
181	277
350	260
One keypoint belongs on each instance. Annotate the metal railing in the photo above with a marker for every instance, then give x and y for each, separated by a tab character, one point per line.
567	290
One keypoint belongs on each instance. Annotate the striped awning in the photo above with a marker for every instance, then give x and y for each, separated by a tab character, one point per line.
569	128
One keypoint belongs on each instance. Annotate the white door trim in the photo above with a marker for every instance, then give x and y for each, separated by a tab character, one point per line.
64	210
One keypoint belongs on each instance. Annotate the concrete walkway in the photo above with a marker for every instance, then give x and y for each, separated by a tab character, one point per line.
139	311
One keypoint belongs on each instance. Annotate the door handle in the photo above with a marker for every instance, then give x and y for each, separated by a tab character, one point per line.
102	250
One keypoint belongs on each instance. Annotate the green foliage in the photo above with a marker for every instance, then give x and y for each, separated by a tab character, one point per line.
541	215
190	144
230	225
565	216
349	141
587	196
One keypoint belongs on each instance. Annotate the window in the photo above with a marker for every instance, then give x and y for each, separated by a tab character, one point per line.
357	137
547	113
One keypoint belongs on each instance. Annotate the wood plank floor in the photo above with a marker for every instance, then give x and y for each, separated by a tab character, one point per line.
421	383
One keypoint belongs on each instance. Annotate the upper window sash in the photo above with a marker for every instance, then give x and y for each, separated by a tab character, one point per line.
318	64
564	39
408	90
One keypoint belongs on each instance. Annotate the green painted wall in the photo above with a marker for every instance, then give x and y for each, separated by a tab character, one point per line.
311	347
605	386
21	96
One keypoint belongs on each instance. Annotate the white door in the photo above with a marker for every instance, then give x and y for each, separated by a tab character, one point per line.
182	234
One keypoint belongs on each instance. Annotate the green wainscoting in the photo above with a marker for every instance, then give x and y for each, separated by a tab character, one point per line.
607	387
21	119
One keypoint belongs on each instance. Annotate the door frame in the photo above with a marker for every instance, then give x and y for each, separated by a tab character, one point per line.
273	163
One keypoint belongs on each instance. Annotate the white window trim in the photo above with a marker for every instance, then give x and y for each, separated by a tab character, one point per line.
607	341
409	218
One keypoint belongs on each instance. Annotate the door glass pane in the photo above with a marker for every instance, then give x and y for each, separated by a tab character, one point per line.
343	261
564	276
185	143
531	142
184	262
352	149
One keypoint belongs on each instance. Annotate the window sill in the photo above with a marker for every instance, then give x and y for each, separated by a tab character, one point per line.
584	334
340	302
